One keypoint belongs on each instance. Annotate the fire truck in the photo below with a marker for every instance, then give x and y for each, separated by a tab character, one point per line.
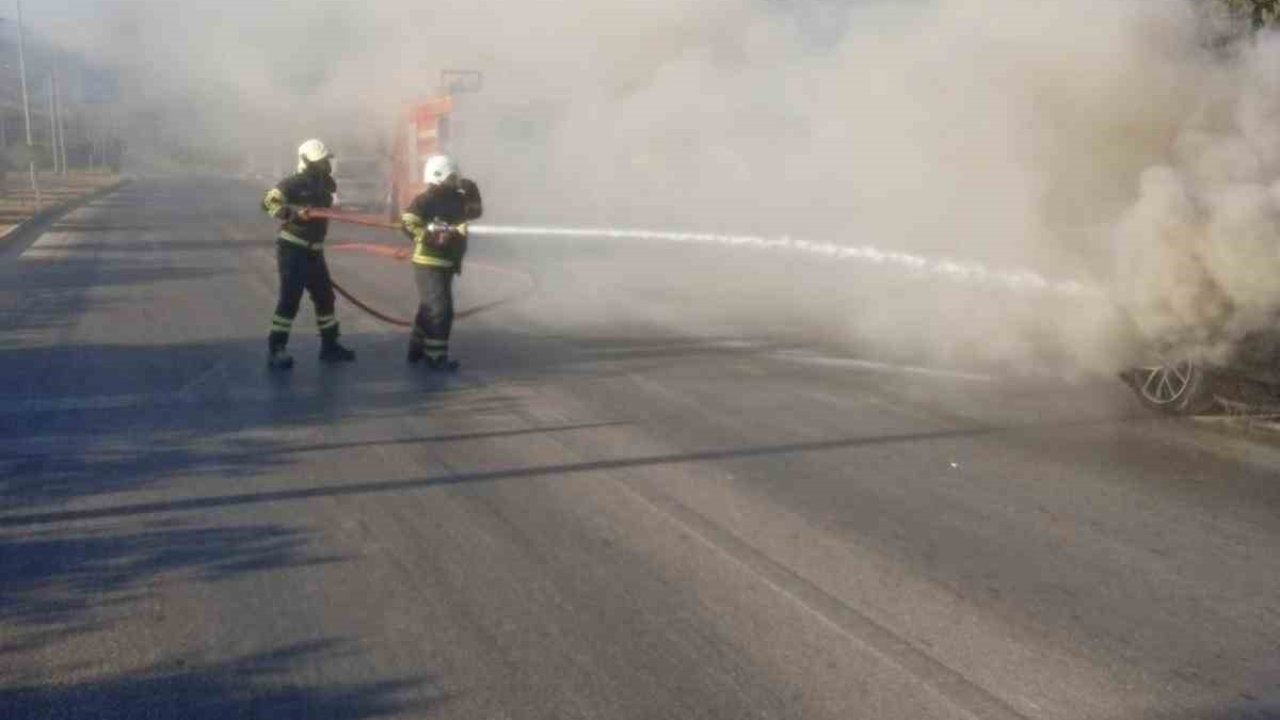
424	130
500	138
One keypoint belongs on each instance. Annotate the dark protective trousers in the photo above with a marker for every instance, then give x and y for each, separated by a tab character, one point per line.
302	269
434	321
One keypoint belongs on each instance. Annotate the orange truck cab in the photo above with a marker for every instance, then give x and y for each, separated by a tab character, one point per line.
422	131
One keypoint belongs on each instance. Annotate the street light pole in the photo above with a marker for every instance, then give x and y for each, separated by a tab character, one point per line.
62	122
53	126
26	104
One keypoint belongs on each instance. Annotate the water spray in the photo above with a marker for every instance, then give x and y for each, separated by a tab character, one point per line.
965	272
960	271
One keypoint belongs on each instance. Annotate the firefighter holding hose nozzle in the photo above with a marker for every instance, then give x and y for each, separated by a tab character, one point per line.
300	255
436	221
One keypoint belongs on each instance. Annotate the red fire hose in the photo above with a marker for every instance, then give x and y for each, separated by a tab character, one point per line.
355	301
375	221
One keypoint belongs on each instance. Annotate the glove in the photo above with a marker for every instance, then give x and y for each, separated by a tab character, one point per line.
289	213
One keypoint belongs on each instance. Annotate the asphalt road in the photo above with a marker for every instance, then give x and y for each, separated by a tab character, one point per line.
631	503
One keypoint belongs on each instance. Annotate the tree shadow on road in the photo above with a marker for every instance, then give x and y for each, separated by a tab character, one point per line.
257	686
62	582
54	577
92	420
41	295
107	418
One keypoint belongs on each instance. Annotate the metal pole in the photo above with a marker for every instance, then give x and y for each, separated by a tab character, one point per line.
62	122
54	111
53	127
26	103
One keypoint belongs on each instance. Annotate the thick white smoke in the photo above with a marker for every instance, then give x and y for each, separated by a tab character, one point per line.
1110	142
1199	250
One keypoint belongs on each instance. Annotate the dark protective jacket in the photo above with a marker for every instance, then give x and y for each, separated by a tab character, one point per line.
455	205
295	192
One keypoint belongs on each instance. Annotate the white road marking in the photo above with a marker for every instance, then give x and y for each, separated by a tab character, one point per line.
52	246
810	358
951	685
187	395
692	345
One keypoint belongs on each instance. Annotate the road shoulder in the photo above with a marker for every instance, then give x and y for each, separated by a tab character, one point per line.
18	229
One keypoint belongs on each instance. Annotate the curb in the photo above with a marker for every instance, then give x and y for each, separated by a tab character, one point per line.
1268	424
35	224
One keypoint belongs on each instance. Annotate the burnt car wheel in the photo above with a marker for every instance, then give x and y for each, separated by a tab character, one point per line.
1177	388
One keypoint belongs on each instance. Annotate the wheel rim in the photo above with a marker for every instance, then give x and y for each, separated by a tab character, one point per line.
1165	384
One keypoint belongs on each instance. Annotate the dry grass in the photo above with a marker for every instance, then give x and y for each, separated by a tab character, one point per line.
18	201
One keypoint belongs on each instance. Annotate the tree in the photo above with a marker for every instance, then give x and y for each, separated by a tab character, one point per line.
1259	12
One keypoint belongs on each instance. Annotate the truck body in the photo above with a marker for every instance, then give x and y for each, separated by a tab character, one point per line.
423	130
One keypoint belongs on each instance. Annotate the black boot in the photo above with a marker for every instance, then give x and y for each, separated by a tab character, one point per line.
415	353
331	351
277	357
443	364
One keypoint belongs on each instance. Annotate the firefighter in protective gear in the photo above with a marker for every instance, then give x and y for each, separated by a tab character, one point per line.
436	221
300	254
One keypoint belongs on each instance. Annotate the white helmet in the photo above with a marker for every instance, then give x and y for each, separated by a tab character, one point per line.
312	151
439	168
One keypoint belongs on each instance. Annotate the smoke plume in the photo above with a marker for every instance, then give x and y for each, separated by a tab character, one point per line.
1123	145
